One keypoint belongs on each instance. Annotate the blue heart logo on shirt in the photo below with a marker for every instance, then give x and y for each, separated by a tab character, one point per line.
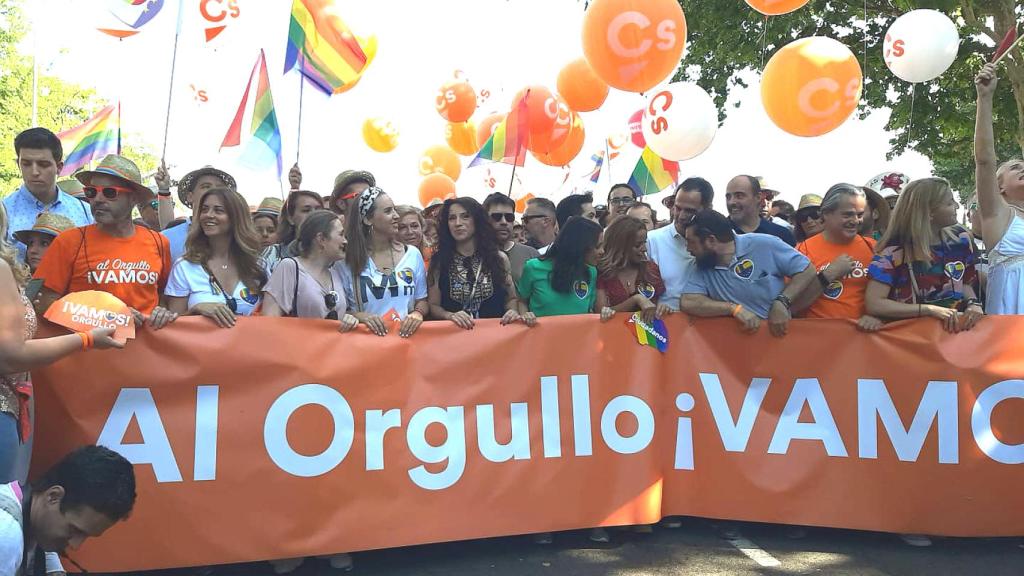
405	275
834	290
744	268
955	270
646	290
581	288
249	296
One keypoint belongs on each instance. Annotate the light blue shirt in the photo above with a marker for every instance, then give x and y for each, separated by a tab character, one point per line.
190	280
756	275
666	247
176	236
23	208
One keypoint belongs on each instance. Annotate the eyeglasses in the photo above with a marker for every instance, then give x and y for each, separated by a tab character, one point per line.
622	201
109	192
527	219
331	302
509	217
806	215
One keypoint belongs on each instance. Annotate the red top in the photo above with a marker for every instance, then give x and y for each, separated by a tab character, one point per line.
652	286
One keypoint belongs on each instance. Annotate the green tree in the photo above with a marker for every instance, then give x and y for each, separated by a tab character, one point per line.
934	118
61	105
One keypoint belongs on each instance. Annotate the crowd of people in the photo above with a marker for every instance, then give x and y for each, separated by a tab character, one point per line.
355	258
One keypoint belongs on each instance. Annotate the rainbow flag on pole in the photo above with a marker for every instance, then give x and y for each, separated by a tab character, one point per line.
508	143
323	47
653	173
263	128
97	137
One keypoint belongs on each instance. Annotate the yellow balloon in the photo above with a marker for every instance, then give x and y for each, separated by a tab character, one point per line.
380	134
461	137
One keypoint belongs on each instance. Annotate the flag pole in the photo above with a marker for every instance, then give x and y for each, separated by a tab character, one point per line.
298	137
512	180
170	88
519	142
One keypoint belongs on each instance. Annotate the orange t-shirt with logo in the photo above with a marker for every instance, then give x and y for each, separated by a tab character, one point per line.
135	269
844	298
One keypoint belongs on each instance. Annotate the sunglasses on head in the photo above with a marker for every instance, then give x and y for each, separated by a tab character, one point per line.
331	302
509	217
109	192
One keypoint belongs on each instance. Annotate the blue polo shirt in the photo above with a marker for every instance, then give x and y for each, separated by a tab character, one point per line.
756	275
765	227
23	208
176	236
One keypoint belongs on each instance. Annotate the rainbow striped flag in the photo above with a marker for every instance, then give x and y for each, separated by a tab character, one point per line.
91	141
598	160
263	128
508	143
653	173
324	49
655	336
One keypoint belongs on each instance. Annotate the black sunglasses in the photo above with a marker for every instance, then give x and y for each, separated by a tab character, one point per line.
806	215
534	217
509	217
331	302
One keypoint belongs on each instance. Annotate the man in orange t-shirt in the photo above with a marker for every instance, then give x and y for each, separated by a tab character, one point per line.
113	255
842	257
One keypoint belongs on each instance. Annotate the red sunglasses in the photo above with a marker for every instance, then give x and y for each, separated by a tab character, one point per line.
109	192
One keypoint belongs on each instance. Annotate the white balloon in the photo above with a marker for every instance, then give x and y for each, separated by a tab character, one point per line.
680	121
921	45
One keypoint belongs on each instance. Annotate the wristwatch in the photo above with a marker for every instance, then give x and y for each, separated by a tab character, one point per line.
823	280
164	193
785	301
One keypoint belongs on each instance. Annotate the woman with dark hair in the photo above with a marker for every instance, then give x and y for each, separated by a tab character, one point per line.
311	284
387	276
807	222
629	281
564	280
220	275
469	276
299	205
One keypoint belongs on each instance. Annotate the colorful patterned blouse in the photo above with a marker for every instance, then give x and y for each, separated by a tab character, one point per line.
941	282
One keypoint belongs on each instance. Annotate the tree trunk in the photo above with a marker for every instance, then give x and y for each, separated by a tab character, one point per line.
1004	19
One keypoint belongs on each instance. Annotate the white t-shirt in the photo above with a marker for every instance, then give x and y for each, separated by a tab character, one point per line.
399	290
11	540
667	248
189	279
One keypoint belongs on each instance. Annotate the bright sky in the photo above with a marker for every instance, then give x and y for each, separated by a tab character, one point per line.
499	44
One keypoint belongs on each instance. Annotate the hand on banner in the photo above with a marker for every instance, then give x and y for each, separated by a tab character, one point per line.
295	177
971	316
778	319
374	322
348	323
648	311
530	319
462	319
410	324
663	310
510	317
950	318
162	177
607	314
103	338
869	324
160	318
986	81
839	268
749	321
216	311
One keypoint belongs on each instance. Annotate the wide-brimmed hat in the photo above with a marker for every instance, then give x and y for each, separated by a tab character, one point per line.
123	169
809	201
269	207
188	182
348	177
73	187
433	208
47	223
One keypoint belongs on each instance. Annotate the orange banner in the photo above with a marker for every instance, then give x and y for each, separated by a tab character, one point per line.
283	438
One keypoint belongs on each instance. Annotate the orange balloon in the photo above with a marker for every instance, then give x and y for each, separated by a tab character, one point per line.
461	137
547	140
436	186
811	86
455	101
541	109
521	202
569	148
440	159
486	128
632	44
380	134
580	87
776	7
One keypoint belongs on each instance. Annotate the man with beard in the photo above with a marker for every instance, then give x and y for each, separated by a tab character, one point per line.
743	276
666	246
744	199
501	210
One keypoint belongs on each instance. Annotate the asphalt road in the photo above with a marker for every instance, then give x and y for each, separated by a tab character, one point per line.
699	547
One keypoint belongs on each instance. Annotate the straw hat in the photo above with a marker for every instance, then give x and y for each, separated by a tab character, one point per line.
73	187
47	223
349	177
433	209
269	207
188	182
809	201
123	169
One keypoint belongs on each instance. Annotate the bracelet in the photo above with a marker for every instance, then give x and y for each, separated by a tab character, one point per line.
86	340
736	310
165	193
823	280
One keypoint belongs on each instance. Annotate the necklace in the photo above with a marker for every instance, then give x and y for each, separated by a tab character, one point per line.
391	253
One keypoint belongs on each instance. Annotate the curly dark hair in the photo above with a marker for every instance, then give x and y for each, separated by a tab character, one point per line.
483	234
93	476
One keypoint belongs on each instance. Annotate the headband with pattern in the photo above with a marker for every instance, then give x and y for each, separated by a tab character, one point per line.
366	200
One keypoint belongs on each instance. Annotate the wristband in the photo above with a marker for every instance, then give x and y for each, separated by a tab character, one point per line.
784	300
164	193
736	310
823	280
86	340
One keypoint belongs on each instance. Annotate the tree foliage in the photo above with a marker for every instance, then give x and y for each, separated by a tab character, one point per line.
934	118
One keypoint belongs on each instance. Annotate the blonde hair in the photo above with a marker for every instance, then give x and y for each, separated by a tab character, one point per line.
405	210
9	253
910	224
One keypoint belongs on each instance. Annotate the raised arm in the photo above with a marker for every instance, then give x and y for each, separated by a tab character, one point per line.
995	212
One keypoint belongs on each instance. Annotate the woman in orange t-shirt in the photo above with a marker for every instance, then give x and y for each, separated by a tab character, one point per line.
842	257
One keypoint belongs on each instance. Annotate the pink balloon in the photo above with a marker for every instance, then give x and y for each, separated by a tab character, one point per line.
636	131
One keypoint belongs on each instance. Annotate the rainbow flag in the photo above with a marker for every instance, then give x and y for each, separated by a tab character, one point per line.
97	137
653	174
655	336
324	49
263	128
598	160
508	143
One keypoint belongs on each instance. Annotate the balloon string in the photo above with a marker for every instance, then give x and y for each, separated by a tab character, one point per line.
910	122
865	65
764	40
